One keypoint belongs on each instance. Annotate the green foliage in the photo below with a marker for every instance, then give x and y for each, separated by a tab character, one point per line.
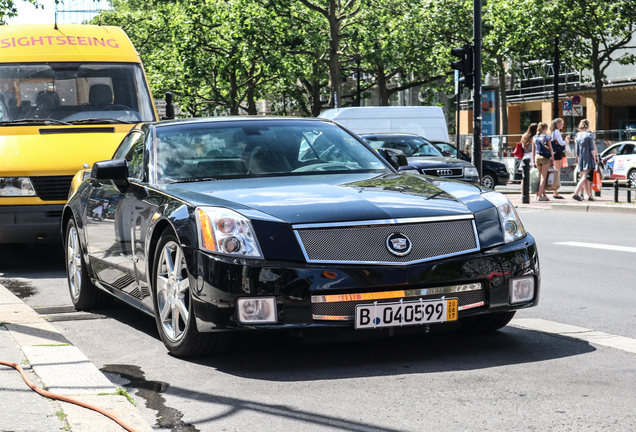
8	8
222	56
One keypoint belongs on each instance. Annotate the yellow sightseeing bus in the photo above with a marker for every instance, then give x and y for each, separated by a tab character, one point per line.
68	96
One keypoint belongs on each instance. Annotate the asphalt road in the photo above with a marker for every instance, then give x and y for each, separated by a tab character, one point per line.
515	379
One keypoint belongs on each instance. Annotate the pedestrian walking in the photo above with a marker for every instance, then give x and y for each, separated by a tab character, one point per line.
526	142
543	157
558	147
586	159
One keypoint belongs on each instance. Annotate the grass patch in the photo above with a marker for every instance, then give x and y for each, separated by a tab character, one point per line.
120	391
25	362
61	415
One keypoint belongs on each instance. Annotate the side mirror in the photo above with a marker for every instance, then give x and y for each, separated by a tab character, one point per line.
395	158
446	153
115	170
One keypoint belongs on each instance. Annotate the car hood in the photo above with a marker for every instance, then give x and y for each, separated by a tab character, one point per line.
58	150
331	198
437	162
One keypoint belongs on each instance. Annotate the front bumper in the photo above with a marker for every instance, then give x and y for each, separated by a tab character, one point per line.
217	283
30	223
502	178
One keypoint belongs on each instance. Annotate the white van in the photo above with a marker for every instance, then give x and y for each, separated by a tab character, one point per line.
426	121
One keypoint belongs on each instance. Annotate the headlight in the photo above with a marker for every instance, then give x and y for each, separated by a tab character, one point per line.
16	186
227	232
470	172
510	221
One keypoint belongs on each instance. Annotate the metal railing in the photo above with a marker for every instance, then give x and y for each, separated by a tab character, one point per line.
500	147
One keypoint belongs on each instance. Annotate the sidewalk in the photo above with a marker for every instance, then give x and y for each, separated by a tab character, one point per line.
603	204
52	363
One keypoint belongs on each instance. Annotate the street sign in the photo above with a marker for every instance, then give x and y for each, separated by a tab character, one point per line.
567	108
577	110
576	100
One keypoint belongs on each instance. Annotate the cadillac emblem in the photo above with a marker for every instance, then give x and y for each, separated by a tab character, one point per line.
398	244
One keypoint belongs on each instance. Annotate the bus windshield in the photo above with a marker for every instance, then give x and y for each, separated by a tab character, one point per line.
74	93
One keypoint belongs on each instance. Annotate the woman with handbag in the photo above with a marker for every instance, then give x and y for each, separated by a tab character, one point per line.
586	158
543	157
526	145
558	147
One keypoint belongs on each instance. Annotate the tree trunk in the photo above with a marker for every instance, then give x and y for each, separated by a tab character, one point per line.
316	106
598	84
381	83
503	95
251	103
234	106
335	78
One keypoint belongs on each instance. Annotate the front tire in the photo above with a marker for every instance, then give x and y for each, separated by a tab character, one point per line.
488	180
174	313
84	295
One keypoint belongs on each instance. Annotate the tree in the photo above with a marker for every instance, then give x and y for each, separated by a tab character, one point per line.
331	19
394	45
602	30
9	9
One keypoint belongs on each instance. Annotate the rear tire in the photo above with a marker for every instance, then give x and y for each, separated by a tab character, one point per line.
84	295
487	322
174	313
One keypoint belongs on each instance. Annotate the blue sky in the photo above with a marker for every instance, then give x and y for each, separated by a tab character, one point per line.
27	14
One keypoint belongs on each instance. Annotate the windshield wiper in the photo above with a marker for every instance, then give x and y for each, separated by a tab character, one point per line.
100	120
25	121
194	180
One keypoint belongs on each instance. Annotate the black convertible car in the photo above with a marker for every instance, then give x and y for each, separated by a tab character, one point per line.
227	224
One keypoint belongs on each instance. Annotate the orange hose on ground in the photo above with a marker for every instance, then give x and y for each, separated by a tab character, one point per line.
68	399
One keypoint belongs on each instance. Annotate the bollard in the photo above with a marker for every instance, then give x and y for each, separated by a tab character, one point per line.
615	191
525	190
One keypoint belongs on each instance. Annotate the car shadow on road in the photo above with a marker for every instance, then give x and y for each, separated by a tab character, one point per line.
282	359
276	358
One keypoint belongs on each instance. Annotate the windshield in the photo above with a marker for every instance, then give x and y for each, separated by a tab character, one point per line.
411	146
74	93
257	148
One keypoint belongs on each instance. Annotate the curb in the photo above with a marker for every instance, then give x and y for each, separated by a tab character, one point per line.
62	368
583	208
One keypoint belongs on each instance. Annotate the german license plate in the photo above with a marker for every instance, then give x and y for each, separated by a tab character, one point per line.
405	313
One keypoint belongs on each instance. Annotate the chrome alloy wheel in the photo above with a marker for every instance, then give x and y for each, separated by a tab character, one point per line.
74	263
488	181
173	292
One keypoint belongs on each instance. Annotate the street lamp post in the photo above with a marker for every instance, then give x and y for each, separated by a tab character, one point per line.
477	86
555	66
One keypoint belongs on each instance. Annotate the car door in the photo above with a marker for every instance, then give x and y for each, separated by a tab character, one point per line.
108	231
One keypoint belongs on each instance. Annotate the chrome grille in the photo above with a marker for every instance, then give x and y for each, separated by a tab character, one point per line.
54	188
444	172
472	296
367	243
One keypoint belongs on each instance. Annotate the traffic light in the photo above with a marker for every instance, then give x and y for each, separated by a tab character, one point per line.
465	64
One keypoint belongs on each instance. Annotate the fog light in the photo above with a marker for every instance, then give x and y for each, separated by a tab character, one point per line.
521	289
257	310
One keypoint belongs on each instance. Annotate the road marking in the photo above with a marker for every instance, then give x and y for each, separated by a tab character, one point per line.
599	246
592	336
